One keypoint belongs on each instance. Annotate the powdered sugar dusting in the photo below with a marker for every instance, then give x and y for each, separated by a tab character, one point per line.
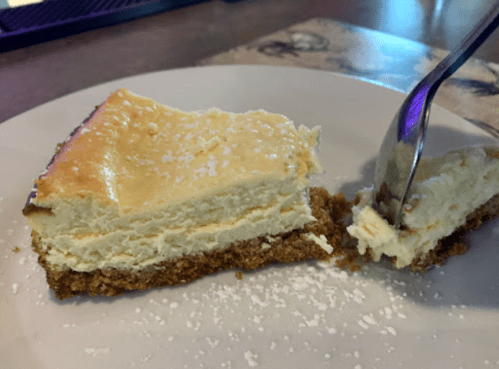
251	358
95	351
310	299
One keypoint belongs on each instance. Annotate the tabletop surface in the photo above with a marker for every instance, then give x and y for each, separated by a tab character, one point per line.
391	42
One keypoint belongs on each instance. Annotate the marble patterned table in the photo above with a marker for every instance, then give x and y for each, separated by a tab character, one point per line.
472	92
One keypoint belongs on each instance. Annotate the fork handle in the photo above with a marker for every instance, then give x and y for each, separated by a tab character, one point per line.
462	51
419	99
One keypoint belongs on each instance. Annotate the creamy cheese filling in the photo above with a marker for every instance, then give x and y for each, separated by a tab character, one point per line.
140	183
137	245
445	190
132	250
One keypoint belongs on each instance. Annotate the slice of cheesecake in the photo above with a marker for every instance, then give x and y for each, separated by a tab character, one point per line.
450	195
144	195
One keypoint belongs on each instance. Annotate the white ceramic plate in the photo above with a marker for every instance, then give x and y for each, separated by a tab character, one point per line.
307	315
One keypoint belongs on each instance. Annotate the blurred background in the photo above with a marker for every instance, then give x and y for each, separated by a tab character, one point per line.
81	43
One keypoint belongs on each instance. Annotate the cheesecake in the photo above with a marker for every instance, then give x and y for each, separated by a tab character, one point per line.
450	195
143	195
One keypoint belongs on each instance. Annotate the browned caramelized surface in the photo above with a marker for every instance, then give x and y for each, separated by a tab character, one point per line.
179	154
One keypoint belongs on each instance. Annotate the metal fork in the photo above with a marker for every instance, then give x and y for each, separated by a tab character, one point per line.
403	143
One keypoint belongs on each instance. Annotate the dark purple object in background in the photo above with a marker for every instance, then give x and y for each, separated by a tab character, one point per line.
31	24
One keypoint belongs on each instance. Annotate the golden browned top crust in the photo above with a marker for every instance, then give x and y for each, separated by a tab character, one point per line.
134	151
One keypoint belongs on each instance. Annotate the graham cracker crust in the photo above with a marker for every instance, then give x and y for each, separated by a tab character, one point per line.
332	214
454	244
247	255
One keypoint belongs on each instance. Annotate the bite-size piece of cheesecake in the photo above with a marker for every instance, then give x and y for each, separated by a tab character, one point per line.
145	195
450	195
